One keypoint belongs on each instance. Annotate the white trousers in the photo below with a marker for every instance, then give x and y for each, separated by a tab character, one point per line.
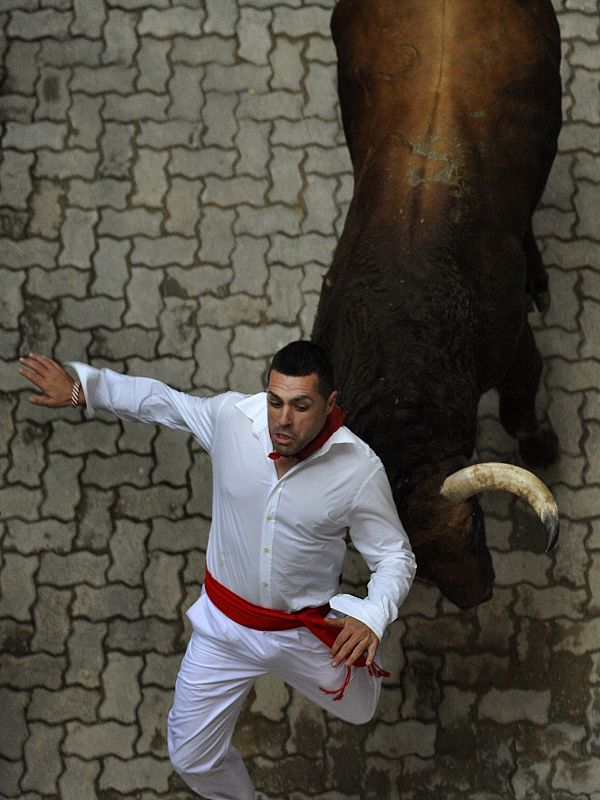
221	663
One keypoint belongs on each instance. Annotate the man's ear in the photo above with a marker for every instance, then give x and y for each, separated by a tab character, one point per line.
331	401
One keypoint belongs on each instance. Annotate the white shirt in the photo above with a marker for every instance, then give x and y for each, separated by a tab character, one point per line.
278	542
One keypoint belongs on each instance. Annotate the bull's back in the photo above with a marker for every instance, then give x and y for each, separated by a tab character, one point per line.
462	95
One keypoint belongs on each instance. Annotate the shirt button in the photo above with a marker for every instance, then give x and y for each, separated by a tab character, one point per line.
265	583
266	550
269	517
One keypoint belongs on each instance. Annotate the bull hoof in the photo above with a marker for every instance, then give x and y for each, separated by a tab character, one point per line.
540	449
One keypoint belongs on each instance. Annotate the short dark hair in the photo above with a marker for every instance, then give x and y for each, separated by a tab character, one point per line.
305	358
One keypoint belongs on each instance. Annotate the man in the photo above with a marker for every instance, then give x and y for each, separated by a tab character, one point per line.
289	481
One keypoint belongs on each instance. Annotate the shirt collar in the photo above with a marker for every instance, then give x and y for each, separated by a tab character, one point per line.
255	408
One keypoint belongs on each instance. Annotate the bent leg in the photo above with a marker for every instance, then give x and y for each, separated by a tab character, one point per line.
538	444
304	663
211	687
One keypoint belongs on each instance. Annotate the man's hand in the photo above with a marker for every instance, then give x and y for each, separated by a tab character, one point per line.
354	638
53	381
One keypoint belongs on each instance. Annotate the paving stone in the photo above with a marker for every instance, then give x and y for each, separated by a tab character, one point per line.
70	163
98	80
121	40
107	601
287	180
408	737
89	19
170	134
253	35
152	715
108	192
299	251
154	70
16	185
120	682
27	25
53	94
312	131
93	312
287	64
143	504
11	302
172	458
78	238
170	22
252	142
321	87
143	636
94	519
230	311
127	776
584	774
110	261
322	211
28	671
78	439
46	214
10	776
13	735
30	537
219	120
221	17
85	121
51	619
17	108
42	757
180	536
161	670
78	781
263	341
585	200
149	176
187	97
143	105
302	21
115	144
161	580
283	290
183	207
173	249
61	482
232	191
17	588
128	552
200	162
322	49
70	52
274	218
202	51
216	236
72	569
21	69
144	302
101	739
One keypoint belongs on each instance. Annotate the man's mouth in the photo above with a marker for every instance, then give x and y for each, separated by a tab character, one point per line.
283	438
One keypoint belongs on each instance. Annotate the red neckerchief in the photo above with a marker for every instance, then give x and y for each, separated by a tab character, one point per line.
335	420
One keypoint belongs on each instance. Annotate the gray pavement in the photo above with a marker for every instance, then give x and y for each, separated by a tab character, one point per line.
173	180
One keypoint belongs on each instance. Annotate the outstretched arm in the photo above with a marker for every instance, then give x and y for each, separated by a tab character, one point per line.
53	381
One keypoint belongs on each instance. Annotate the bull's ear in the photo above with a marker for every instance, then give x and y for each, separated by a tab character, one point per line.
331	400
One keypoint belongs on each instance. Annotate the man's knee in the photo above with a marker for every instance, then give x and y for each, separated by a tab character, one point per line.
195	755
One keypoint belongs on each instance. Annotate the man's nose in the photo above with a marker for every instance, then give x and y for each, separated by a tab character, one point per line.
285	417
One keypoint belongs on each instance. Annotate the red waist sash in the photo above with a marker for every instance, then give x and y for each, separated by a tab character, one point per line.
269	619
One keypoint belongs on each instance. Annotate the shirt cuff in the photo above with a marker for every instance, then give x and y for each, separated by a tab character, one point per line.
362	610
85	373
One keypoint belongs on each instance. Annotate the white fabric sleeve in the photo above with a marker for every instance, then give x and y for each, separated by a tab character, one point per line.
380	538
148	400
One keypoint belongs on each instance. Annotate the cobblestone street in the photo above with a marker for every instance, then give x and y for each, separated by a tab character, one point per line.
173	181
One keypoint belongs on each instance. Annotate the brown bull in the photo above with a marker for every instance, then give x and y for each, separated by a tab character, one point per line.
451	110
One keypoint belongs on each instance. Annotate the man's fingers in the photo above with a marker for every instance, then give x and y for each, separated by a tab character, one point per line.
34	377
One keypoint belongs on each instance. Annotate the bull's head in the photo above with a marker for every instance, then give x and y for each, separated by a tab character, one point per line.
446	527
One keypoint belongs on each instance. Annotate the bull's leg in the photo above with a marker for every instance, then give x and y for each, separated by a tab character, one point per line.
537	277
538	444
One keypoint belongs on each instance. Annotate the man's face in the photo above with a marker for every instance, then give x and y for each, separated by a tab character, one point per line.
296	411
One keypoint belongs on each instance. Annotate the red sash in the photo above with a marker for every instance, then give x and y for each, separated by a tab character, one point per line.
269	619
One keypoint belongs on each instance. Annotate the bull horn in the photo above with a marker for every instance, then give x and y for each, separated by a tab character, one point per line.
495	477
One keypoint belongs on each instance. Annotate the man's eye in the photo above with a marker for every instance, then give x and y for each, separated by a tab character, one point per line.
301	408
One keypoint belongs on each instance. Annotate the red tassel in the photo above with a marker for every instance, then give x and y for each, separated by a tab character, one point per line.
339	693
